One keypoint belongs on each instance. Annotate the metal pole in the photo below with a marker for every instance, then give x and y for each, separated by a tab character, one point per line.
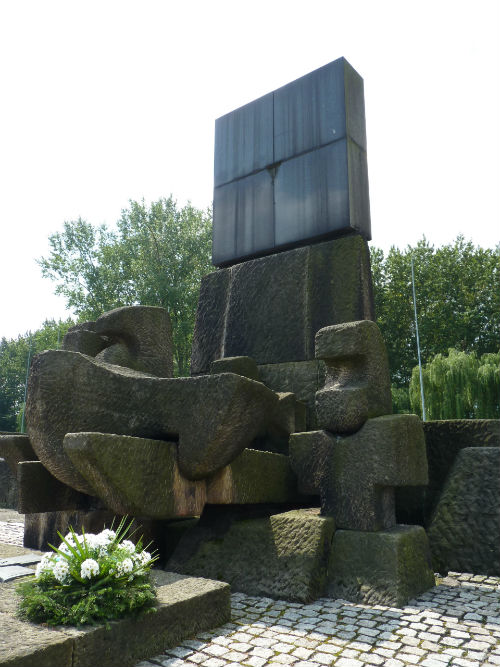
418	340
26	386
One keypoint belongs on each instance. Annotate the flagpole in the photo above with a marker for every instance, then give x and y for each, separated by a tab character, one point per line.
418	340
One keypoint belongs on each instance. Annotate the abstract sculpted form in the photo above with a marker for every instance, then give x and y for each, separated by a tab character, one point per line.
288	405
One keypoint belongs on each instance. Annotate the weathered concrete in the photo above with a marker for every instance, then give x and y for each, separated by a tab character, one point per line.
464	532
214	417
355	475
141	477
9	495
271	308
303	378
444	439
138	337
16	447
284	555
357	385
185	606
39	491
245	366
387	567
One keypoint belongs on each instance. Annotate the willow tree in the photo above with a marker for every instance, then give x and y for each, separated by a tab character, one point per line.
458	386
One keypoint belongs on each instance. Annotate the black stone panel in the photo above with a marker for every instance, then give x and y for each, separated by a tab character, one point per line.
290	167
323	106
244	210
244	140
312	195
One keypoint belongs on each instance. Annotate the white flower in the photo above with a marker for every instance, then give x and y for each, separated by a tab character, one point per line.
61	570
145	557
128	546
124	567
106	535
45	565
89	568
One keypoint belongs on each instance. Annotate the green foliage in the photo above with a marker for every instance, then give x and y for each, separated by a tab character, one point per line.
458	302
458	386
89	579
157	257
14	355
58	606
400	400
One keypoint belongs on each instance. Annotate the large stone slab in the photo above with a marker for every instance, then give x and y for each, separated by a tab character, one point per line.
271	308
214	417
444	439
464	532
355	475
186	606
357	385
388	567
141	477
282	556
138	337
290	167
39	491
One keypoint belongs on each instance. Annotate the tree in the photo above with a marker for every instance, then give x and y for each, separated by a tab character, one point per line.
156	256
14	357
458	301
458	386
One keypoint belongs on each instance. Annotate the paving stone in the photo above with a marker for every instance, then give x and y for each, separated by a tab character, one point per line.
348	662
285	659
371	658
322	658
255	661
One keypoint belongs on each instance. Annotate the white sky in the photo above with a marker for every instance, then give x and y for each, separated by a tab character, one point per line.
106	101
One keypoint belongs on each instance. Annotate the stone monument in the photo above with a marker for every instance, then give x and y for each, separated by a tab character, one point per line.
288	404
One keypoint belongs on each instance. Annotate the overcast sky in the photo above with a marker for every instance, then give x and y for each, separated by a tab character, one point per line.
103	102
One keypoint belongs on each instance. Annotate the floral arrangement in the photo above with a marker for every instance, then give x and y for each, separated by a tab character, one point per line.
89	579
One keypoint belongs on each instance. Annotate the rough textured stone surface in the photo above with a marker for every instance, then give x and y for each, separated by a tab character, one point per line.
185	606
245	366
271	308
387	567
141	477
303	378
16	447
138	337
283	556
40	529
9	494
464	532
355	475
288	416
444	439
214	416
357	385
39	491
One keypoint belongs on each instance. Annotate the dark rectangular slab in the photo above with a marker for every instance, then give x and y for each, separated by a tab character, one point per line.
290	167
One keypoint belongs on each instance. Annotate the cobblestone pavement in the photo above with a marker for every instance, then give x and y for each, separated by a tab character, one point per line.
456	623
